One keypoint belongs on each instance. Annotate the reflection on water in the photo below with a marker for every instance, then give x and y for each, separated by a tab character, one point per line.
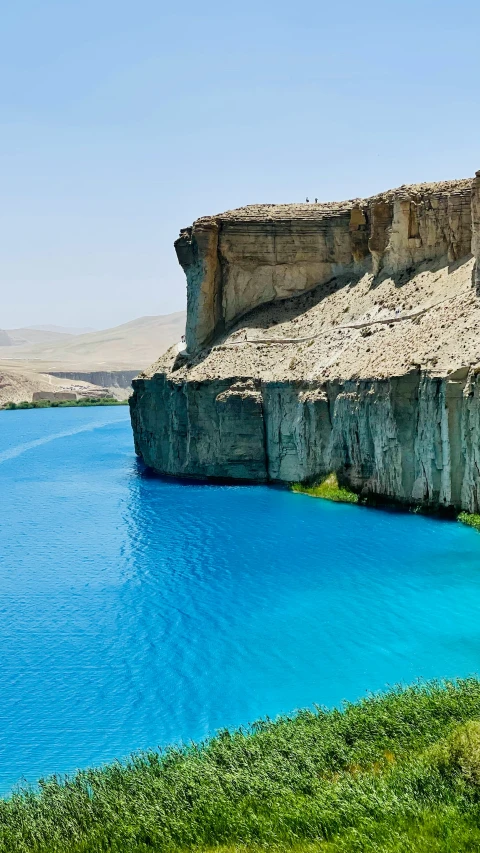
136	611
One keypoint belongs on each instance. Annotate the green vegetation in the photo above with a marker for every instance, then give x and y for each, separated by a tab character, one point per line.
395	773
470	518
65	404
328	489
331	491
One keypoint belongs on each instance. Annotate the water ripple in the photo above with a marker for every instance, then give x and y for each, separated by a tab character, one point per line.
137	611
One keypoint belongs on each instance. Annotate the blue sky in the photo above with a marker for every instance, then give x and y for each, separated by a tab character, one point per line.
123	121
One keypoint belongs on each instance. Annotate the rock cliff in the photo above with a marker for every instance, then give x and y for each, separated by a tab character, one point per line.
333	337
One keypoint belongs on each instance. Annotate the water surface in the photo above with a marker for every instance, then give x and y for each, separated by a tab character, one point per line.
136	611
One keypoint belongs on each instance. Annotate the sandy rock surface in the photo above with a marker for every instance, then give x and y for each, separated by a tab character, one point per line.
430	320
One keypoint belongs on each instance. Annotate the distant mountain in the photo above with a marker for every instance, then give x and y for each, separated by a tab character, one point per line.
134	345
5	339
63	330
28	335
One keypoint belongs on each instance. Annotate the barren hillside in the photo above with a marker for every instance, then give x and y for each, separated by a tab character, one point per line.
109	358
18	385
351	327
131	346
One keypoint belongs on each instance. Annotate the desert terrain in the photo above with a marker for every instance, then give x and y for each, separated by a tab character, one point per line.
46	358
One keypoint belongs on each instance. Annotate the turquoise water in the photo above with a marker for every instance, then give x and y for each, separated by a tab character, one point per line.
136	611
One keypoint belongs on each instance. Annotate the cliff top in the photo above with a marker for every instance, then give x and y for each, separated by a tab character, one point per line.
377	295
312	211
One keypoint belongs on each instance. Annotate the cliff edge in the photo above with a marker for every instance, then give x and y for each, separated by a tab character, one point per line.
328	337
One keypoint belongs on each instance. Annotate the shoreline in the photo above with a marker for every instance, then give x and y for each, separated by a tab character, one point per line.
329	489
63	404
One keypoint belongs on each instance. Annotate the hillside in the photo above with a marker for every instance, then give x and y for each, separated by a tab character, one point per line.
131	346
355	327
25	337
20	384
67	330
5	339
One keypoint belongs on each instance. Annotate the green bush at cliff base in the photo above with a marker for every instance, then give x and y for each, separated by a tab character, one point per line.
328	489
390	774
470	518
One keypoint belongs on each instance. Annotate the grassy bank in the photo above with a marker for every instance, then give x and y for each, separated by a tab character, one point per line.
66	404
328	489
396	773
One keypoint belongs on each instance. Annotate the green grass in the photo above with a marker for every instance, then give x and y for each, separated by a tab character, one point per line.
390	774
65	404
470	518
328	489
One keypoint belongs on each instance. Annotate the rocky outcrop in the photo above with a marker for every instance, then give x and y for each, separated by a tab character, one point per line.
213	429
320	338
102	378
244	258
54	396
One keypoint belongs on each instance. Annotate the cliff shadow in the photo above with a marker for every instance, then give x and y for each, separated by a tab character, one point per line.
272	314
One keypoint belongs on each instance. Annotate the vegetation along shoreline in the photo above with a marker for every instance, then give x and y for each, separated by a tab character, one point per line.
329	489
392	772
64	404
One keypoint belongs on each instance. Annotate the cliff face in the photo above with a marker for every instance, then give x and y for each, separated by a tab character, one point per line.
103	378
320	338
244	258
413	439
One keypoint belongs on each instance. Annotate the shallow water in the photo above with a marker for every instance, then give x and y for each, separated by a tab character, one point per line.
136	611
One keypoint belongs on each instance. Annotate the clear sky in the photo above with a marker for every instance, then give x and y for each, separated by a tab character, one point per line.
123	121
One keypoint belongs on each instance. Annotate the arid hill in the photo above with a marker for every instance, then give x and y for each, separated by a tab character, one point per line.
130	346
108	358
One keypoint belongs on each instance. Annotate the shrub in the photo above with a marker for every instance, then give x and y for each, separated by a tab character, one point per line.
329	489
389	774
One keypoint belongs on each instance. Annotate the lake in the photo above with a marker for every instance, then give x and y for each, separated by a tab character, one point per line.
137	611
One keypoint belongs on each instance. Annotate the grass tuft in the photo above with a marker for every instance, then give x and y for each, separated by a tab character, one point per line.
328	489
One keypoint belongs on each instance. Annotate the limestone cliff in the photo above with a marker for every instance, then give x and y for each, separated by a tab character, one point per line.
263	253
336	337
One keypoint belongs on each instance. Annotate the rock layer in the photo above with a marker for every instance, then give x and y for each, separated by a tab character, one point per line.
306	397
244	258
414	439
